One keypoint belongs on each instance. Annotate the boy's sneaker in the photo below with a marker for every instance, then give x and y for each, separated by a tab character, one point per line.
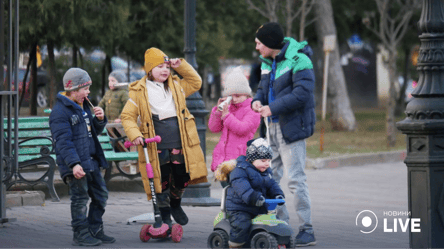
84	238
100	234
305	239
177	212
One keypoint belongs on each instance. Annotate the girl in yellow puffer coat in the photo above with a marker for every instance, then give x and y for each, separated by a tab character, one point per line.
158	103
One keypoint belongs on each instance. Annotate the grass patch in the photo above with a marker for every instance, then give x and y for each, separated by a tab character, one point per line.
370	136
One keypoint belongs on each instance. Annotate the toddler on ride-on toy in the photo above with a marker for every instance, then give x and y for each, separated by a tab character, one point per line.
244	210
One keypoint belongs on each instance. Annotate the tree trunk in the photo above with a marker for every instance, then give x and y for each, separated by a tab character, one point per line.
33	93
74	55
400	101
289	21
391	128
342	116
302	24
53	87
106	70
25	78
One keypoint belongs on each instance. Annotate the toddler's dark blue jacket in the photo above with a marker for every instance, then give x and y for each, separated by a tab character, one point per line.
248	184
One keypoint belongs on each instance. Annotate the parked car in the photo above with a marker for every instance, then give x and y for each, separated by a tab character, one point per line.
42	79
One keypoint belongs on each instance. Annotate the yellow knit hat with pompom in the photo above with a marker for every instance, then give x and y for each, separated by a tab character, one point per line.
153	58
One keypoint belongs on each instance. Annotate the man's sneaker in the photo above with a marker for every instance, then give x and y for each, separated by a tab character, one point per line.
84	238
305	239
177	212
100	234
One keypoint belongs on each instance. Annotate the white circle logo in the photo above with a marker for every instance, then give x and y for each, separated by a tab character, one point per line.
368	220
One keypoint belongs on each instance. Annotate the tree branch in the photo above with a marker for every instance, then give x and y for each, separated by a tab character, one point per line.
254	7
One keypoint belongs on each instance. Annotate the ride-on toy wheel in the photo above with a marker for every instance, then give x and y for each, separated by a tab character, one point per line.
263	240
176	233
292	243
144	236
218	239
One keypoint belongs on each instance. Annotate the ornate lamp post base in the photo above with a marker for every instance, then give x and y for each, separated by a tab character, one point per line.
424	127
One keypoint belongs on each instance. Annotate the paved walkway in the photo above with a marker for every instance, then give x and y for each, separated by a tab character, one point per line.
338	196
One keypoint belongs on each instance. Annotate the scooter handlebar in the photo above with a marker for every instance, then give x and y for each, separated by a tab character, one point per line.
155	139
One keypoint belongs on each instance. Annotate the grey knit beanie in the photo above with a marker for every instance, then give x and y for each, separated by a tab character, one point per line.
258	149
236	83
119	76
76	78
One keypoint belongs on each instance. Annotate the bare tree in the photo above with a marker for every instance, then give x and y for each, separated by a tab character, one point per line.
269	10
390	27
290	11
342	116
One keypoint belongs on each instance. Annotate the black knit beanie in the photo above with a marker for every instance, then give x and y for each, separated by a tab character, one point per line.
271	35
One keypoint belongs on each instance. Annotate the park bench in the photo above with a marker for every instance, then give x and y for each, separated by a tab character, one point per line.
36	151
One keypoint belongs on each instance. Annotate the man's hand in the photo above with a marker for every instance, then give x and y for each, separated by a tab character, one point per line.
78	171
256	105
98	111
175	63
138	141
265	111
117	120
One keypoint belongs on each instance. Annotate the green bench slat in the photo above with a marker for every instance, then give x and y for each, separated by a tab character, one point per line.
30	151
22	158
36	142
109	155
32	133
121	156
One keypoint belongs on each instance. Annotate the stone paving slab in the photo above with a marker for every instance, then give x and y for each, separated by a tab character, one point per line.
338	195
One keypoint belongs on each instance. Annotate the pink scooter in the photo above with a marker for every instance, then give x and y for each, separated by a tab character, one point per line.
159	229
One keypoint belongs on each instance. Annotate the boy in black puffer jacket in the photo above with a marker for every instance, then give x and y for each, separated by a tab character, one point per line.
251	183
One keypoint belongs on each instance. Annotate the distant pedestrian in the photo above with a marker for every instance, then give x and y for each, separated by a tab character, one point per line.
237	122
80	156
285	95
158	101
251	183
115	98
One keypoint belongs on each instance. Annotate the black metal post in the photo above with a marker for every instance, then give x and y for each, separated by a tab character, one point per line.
424	127
198	194
8	101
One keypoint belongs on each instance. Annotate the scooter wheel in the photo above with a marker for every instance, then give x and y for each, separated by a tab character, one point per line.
144	235
176	233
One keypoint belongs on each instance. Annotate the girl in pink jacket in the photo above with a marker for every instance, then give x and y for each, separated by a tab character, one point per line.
237	121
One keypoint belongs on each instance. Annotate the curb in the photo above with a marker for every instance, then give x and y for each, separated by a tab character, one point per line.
24	198
356	160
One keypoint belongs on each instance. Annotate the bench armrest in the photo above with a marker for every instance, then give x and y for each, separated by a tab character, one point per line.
44	151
